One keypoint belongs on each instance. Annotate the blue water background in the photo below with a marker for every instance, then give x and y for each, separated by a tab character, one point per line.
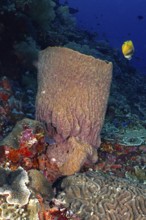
115	21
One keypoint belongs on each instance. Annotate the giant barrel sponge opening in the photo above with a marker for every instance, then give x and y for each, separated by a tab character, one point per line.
72	96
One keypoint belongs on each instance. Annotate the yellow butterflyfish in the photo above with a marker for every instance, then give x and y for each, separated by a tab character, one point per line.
128	49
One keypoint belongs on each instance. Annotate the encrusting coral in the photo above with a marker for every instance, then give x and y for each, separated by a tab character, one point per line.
72	96
12	211
13	184
23	134
26	146
17	201
97	196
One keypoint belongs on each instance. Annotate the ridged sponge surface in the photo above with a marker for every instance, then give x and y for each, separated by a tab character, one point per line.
72	96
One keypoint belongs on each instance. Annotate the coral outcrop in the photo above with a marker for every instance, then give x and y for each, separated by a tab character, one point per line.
39	184
72	96
96	196
27	146
17	138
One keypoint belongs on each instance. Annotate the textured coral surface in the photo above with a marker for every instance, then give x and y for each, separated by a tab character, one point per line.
96	196
72	96
39	184
13	184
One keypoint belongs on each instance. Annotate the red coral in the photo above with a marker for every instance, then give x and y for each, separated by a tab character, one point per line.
31	146
13	155
4	96
16	155
55	213
25	152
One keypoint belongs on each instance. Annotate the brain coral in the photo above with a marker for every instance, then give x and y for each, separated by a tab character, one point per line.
73	90
96	196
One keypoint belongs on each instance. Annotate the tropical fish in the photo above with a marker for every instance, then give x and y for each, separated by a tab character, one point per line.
140	17
128	49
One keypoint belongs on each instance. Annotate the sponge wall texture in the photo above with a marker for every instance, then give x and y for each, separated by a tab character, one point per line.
72	96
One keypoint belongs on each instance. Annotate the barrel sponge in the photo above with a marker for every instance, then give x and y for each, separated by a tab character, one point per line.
13	185
72	96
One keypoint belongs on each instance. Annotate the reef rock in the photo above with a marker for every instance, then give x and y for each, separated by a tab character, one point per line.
72	96
40	185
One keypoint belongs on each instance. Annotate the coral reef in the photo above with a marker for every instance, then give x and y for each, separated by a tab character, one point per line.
41	12
85	49
121	160
126	133
39	24
65	17
137	175
27	26
14	104
72	97
94	195
5	108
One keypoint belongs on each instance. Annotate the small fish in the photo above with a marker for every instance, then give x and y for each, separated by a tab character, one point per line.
128	49
140	17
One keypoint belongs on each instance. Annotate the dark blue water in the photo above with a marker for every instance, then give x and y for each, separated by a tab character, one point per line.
115	21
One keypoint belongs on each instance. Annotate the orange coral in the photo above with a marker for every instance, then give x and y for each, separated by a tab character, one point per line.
13	155
107	146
